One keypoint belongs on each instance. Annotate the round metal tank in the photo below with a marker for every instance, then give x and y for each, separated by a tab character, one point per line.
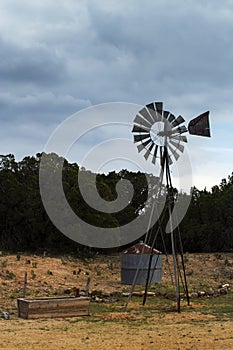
138	259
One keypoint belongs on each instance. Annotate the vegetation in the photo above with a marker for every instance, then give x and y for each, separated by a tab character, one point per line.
25	225
208	224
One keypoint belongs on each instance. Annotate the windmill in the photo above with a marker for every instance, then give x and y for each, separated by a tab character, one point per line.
160	136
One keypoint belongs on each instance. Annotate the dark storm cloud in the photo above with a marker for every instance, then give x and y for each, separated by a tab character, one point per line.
175	48
107	52
34	64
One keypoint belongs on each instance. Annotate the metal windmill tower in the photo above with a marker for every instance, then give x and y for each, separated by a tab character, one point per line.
159	135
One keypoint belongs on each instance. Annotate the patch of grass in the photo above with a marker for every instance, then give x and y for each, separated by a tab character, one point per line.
97	270
110	264
200	284
218	256
227	262
10	274
143	313
63	261
189	272
4	263
186	258
33	275
161	289
220	307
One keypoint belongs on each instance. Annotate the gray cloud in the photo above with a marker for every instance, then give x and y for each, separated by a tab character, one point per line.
103	51
41	107
36	64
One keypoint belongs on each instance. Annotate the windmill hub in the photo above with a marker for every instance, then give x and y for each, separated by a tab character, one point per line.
160	131
157	133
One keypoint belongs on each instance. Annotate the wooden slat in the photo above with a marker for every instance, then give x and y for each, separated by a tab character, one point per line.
57	303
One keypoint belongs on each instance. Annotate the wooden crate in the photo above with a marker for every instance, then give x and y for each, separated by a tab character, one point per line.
53	307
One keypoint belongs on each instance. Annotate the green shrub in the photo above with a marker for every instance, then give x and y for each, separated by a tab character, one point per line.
33	274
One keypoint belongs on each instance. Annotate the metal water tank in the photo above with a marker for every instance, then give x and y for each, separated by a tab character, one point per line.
137	258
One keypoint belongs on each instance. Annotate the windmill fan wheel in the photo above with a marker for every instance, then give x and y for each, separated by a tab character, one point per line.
155	129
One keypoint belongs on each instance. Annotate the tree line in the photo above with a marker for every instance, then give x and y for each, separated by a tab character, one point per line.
26	227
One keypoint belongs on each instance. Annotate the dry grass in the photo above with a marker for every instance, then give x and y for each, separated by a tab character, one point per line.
206	324
164	333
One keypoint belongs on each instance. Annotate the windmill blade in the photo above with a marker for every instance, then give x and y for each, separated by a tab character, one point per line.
156	110
180	138
155	115
171	118
140	147
138	138
159	107
143	145
166	114
151	106
142	122
152	110
180	130
146	115
200	125
148	152
173	151
155	153
178	146
137	128
179	120
155	106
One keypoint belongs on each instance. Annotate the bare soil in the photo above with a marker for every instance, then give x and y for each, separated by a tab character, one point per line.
206	324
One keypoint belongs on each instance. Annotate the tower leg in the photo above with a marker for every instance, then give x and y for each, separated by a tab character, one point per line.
176	276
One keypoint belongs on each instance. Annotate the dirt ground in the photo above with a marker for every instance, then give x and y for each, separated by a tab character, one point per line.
109	326
176	332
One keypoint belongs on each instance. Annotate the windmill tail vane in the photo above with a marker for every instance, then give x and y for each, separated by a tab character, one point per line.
200	125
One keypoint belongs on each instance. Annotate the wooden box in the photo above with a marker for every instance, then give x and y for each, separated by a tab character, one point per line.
53	307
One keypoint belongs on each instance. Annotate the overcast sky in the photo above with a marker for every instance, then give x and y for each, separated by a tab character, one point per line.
59	57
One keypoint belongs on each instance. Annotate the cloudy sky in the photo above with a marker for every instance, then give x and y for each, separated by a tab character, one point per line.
59	57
